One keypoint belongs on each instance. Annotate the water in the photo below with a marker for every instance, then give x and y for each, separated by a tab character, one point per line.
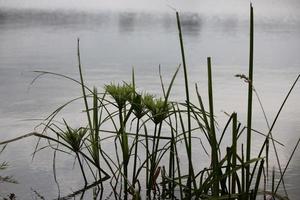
114	42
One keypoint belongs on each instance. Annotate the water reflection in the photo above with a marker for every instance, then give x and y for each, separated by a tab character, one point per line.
127	22
191	23
229	25
96	188
47	18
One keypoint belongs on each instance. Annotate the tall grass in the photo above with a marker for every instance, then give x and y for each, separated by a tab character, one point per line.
250	90
146	134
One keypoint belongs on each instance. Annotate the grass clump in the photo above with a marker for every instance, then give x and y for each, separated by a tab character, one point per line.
120	93
138	106
158	108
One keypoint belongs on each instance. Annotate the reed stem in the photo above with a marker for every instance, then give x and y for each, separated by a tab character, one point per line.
249	112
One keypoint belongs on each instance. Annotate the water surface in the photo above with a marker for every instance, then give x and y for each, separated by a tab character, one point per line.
112	43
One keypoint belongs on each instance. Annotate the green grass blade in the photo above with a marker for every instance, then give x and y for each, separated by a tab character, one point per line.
83	85
213	143
191	173
258	178
234	150
250	90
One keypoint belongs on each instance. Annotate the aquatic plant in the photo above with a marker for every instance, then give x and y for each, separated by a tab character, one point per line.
148	160
122	94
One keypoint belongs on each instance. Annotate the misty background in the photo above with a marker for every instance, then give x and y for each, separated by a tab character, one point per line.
266	8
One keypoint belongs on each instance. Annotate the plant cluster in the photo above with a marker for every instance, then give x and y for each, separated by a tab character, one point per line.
147	161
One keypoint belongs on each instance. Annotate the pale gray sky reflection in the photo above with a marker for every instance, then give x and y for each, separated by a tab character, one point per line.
267	8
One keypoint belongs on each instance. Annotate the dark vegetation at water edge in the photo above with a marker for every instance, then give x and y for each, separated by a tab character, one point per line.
146	132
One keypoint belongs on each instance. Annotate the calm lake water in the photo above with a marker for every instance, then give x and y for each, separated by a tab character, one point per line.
112	43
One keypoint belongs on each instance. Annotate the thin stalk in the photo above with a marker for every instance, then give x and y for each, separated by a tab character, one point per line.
95	140
281	177
147	161
259	173
153	167
233	149
228	155
243	171
135	151
189	147
177	157
83	86
249	112
213	140
172	163
157	141
82	169
124	144
53	167
95	131
265	182
185	137
273	182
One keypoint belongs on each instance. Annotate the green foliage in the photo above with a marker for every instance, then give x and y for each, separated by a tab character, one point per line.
158	108
73	137
120	93
138	105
